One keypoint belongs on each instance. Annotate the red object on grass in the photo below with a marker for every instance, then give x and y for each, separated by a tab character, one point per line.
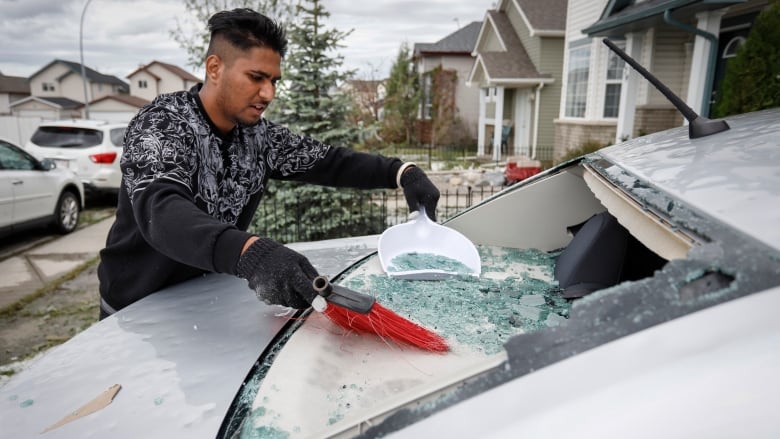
387	324
514	173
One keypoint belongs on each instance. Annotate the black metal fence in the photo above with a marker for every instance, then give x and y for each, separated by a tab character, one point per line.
378	210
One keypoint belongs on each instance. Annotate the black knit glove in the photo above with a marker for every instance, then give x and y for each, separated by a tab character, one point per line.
419	190
279	275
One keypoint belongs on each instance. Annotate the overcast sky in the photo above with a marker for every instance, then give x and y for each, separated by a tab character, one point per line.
120	35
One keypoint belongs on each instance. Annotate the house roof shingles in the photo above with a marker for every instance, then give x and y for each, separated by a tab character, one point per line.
58	102
176	70
514	63
461	41
134	101
540	16
92	75
14	84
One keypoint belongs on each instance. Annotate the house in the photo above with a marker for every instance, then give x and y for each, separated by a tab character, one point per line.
519	54
47	108
63	79
369	96
116	108
157	77
12	88
444	68
604	102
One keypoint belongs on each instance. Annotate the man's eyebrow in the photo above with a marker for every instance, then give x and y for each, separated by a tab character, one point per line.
266	74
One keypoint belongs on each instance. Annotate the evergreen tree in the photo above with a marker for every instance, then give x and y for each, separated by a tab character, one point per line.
752	80
309	100
309	103
402	100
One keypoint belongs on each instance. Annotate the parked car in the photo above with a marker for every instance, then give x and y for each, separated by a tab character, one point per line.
36	193
91	148
630	292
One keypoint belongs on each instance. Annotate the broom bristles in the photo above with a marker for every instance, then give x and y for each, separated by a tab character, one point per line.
388	325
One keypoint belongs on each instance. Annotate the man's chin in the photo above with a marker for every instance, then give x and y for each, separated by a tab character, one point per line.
249	121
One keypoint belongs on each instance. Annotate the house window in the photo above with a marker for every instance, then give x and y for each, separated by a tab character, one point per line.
577	82
427	97
48	86
730	51
613	82
142	83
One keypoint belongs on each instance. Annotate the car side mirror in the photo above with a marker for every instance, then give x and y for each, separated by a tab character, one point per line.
48	164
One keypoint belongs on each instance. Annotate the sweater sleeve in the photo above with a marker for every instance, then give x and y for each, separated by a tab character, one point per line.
157	167
305	159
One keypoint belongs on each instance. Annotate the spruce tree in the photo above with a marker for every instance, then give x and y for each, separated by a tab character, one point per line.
309	102
752	80
402	100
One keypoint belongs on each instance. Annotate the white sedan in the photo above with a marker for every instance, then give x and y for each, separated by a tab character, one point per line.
36	193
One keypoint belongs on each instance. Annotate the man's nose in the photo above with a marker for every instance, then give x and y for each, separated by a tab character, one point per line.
267	91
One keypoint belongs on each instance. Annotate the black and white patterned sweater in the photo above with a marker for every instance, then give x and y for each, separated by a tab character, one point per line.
188	193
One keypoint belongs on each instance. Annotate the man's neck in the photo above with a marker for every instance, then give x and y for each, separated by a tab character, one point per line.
208	103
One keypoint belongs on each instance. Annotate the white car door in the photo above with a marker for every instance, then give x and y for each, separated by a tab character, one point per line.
33	192
6	198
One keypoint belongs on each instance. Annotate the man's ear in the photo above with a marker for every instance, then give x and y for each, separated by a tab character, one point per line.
214	67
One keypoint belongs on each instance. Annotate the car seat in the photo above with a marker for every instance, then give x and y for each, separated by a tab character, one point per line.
594	258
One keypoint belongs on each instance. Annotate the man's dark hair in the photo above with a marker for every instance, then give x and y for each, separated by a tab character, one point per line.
244	28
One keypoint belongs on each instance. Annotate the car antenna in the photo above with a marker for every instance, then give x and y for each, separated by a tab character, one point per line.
698	126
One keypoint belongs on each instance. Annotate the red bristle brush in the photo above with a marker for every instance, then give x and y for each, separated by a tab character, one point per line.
360	312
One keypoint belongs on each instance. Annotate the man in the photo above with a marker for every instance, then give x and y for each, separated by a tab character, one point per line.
195	166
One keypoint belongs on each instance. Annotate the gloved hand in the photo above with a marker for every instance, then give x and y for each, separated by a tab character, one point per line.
419	191
279	275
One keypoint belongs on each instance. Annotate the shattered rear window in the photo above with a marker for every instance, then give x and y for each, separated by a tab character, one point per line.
516	293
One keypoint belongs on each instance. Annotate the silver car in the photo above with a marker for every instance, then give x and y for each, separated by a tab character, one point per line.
90	148
628	293
36	193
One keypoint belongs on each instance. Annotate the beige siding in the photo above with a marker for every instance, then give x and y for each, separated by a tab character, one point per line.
148	93
491	42
550	62
5	103
111	105
49	76
551	59
669	51
466	98
531	44
169	82
582	14
34	108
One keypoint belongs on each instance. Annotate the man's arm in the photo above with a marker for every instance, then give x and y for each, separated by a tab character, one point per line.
157	166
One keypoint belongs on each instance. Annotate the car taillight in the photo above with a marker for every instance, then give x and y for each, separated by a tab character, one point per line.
103	157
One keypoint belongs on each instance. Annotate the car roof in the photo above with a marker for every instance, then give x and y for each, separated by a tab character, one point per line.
82	123
731	176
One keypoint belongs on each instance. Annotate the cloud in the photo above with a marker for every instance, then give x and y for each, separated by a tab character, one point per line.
119	35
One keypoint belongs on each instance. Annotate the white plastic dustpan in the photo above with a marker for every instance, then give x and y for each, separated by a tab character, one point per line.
421	235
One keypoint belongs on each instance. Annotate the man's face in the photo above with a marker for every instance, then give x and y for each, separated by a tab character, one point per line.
248	85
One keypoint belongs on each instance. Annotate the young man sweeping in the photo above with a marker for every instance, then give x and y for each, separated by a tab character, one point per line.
195	166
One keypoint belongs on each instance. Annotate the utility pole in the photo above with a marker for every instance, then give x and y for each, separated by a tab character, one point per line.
83	69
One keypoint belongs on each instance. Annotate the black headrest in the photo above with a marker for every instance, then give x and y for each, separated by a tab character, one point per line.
594	258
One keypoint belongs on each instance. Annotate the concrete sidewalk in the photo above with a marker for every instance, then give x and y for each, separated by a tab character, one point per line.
23	274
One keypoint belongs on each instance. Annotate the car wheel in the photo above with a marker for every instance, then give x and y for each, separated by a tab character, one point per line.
66	214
